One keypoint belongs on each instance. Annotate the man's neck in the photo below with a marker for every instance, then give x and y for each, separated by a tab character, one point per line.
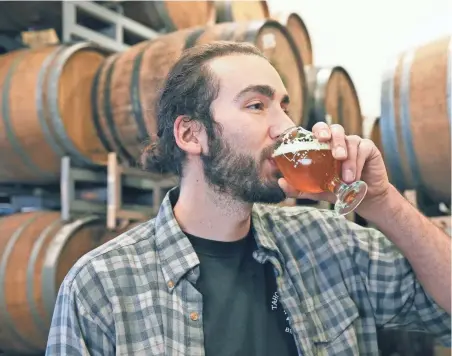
203	212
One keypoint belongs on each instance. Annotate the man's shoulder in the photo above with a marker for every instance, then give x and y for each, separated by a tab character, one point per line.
310	225
302	216
116	258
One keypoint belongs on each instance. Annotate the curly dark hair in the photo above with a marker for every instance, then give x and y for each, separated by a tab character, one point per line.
189	89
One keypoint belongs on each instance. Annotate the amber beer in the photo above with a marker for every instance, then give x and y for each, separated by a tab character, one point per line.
307	166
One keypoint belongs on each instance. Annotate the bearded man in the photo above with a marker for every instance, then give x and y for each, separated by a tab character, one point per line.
219	271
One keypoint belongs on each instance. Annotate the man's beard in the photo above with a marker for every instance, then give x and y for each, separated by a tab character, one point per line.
239	175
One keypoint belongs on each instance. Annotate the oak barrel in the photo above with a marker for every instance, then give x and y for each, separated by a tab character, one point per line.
333	97
372	131
37	250
277	45
126	86
238	11
300	34
171	15
416	119
45	111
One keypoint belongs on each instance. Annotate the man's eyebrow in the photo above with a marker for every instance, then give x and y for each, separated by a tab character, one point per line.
285	99
266	90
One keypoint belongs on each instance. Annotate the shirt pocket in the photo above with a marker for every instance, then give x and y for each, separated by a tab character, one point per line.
331	325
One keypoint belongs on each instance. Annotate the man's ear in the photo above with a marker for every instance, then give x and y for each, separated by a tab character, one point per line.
187	133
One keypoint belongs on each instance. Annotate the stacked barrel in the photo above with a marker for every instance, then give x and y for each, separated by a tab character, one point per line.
415	123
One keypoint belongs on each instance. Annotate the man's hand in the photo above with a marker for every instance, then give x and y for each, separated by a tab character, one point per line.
427	248
361	160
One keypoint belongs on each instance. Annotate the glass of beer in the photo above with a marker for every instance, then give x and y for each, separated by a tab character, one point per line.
308	165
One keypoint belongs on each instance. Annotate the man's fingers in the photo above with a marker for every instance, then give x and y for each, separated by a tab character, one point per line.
338	145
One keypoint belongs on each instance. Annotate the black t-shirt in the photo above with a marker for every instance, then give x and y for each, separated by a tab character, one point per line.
241	309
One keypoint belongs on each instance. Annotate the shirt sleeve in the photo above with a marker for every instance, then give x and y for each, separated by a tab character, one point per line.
75	330
398	299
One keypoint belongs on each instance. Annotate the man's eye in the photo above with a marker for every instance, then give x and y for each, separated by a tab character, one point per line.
256	106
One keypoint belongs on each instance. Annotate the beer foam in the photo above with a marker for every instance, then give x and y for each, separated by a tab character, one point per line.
298	146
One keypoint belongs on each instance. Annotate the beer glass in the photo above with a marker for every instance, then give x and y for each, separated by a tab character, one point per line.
308	165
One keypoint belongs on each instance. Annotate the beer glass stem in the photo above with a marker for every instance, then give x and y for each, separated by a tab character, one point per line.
349	196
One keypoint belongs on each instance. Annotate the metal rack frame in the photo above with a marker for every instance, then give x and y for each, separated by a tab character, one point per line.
72	30
115	180
128	177
70	176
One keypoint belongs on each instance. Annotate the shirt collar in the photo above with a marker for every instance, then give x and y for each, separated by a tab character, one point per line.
176	253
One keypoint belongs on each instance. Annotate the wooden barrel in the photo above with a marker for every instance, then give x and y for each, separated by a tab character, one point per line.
45	111
36	252
371	130
299	33
238	11
126	86
275	42
333	98
125	92
375	134
171	15
416	119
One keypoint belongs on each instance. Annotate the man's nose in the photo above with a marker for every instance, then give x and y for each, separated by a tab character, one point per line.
281	125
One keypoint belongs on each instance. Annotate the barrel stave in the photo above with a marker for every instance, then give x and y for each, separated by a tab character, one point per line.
300	34
9	340
128	110
429	124
188	14
69	101
347	104
332	96
171	15
389	113
238	11
16	278
102	107
30	137
400	111
8	161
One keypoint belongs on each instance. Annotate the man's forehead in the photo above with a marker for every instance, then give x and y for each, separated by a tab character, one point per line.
237	72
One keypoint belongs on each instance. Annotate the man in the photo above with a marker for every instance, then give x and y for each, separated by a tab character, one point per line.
219	273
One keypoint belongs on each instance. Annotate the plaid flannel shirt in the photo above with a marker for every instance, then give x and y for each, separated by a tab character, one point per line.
337	281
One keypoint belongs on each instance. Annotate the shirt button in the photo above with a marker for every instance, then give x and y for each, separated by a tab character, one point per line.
194	316
170	284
